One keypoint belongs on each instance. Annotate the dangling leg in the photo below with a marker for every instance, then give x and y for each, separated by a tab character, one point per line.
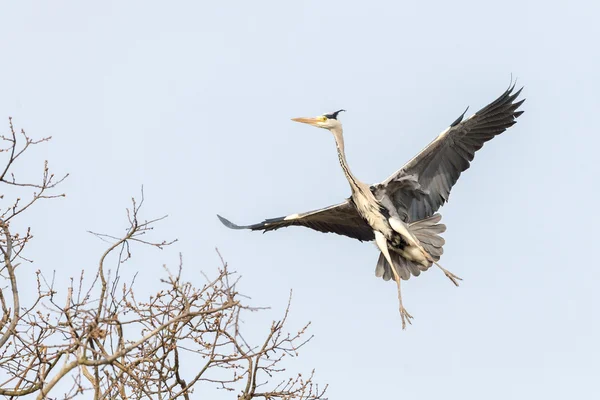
382	244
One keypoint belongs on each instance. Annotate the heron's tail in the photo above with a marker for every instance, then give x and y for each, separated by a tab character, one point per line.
427	231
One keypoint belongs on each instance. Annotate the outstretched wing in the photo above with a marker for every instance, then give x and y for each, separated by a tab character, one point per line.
423	185
342	219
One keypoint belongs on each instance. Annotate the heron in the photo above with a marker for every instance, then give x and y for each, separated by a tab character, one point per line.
400	213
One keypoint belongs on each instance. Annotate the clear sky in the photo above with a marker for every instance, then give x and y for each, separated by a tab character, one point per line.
194	99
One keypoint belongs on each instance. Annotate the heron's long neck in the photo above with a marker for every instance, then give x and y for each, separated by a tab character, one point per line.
339	142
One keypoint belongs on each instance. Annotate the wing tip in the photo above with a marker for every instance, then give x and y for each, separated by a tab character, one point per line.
459	119
512	85
228	223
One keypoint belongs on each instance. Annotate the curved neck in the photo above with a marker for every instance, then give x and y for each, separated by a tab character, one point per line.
339	142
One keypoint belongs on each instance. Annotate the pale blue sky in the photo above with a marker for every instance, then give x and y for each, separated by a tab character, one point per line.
193	100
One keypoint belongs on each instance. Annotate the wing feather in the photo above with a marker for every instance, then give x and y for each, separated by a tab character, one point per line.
342	219
435	170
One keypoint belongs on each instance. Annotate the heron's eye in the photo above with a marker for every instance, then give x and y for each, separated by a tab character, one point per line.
322	118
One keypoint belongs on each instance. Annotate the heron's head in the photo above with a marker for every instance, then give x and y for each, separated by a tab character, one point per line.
325	121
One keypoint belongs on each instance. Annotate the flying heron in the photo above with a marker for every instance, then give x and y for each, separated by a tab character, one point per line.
400	212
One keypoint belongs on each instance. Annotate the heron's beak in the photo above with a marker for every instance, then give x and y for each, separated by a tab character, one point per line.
309	121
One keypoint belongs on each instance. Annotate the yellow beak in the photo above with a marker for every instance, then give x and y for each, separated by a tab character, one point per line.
309	121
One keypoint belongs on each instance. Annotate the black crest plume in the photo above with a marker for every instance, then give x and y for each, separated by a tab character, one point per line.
334	115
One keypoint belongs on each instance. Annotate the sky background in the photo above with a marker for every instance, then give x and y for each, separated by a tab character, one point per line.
193	100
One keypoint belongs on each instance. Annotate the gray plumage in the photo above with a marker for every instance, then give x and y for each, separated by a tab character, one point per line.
400	212
434	171
422	185
340	218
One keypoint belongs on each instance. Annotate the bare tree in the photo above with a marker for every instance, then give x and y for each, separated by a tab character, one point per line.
99	337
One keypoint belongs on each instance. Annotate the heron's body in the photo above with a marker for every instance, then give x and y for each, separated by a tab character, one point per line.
378	217
372	212
399	214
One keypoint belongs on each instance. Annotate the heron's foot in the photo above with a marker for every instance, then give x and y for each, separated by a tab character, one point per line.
449	275
406	317
452	277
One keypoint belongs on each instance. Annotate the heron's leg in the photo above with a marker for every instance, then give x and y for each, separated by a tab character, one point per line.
382	244
449	274
406	317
